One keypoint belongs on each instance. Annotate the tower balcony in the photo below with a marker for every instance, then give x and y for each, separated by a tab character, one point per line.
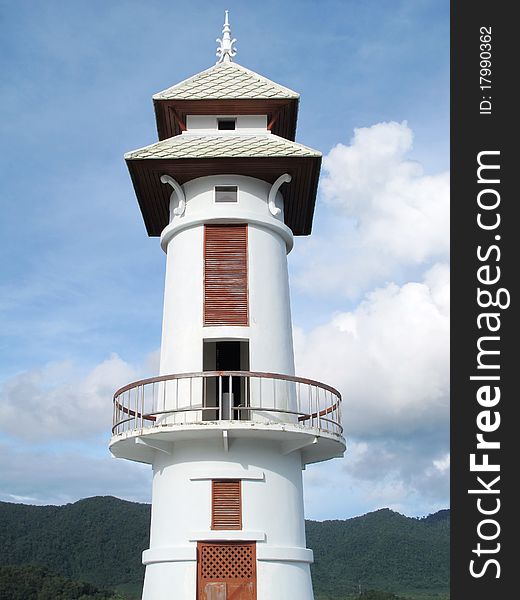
301	414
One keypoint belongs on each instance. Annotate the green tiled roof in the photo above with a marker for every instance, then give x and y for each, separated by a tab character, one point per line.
222	146
226	80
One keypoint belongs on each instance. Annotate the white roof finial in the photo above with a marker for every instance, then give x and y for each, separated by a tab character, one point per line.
226	50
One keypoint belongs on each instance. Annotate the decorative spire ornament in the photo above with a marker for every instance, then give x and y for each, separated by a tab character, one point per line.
226	51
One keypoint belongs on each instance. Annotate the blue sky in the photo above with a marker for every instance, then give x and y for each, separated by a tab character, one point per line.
81	281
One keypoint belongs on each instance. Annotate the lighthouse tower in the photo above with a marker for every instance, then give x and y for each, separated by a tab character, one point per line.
227	426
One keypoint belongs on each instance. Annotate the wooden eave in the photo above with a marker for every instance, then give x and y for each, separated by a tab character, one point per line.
282	113
299	195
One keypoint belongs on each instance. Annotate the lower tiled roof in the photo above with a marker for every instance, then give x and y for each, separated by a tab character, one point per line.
222	146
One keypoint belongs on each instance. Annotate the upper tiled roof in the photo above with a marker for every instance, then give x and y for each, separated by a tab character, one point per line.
222	146
226	80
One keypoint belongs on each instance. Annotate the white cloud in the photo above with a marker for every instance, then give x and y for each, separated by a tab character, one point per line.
399	210
40	476
387	214
389	358
443	463
411	465
63	417
57	401
401	474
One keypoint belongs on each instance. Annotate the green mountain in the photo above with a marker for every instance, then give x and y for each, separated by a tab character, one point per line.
382	550
38	583
99	540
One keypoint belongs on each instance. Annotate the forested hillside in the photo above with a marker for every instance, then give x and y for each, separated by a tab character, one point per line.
381	550
39	583
100	540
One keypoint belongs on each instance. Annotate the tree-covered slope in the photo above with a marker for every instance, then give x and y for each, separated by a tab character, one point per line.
100	540
39	583
381	550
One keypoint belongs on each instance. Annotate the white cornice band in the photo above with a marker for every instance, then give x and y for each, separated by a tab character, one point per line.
264	552
245	217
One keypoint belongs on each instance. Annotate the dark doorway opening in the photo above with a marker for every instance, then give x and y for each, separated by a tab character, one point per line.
226	392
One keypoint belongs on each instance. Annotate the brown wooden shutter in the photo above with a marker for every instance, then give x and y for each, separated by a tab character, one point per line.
226	504
225	275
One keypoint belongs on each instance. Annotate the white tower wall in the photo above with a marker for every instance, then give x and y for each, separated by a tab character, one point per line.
272	495
269	332
272	498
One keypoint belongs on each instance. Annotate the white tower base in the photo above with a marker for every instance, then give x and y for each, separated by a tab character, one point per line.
273	510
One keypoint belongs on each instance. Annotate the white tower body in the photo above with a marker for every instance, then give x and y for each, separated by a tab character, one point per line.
269	332
227	427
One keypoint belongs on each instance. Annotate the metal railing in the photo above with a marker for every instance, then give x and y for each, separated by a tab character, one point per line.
211	396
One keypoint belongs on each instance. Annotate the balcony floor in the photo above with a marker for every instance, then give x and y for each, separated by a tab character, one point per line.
141	445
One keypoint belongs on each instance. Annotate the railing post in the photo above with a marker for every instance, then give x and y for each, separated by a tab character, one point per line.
230	398
136	412
152	410
318	406
133	413
220	415
314	419
247	391
165	383
142	404
330	423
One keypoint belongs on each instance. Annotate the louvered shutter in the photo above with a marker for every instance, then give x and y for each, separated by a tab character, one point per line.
225	275
226	504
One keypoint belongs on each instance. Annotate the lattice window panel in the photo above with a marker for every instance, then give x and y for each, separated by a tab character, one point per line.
227	561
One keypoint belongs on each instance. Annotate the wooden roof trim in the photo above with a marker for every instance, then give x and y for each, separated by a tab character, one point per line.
299	194
170	114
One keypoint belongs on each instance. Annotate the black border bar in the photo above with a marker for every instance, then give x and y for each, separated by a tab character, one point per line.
484	256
